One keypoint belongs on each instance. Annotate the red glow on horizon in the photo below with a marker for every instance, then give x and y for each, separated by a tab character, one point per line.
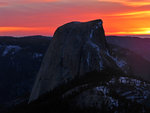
43	17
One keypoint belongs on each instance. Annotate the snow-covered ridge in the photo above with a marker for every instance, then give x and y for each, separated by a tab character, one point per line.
137	90
131	89
112	92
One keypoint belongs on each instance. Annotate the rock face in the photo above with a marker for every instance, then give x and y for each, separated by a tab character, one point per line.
76	48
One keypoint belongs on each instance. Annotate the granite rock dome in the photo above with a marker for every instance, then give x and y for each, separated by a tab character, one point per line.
76	48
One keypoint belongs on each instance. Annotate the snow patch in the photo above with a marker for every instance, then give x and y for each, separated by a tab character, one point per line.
37	55
88	59
98	53
126	93
140	93
112	81
100	24
96	27
123	80
13	48
126	80
113	102
94	46
103	89
120	63
109	100
101	65
91	34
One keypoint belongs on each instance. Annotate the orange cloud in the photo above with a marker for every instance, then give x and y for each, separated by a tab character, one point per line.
129	2
145	30
26	30
134	13
44	16
6	29
137	31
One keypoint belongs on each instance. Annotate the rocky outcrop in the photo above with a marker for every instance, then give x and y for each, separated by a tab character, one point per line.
76	48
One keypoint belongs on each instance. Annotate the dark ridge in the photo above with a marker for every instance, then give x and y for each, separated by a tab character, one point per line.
53	101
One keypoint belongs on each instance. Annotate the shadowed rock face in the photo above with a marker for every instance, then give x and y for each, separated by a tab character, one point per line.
76	48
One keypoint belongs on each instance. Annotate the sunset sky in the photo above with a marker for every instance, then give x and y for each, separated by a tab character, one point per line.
42	17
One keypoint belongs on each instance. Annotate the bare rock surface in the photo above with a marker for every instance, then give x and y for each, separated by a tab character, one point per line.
76	48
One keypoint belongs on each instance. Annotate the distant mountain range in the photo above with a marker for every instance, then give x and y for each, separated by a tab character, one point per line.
20	59
136	36
137	45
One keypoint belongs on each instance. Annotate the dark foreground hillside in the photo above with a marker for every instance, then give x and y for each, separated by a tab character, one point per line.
105	92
